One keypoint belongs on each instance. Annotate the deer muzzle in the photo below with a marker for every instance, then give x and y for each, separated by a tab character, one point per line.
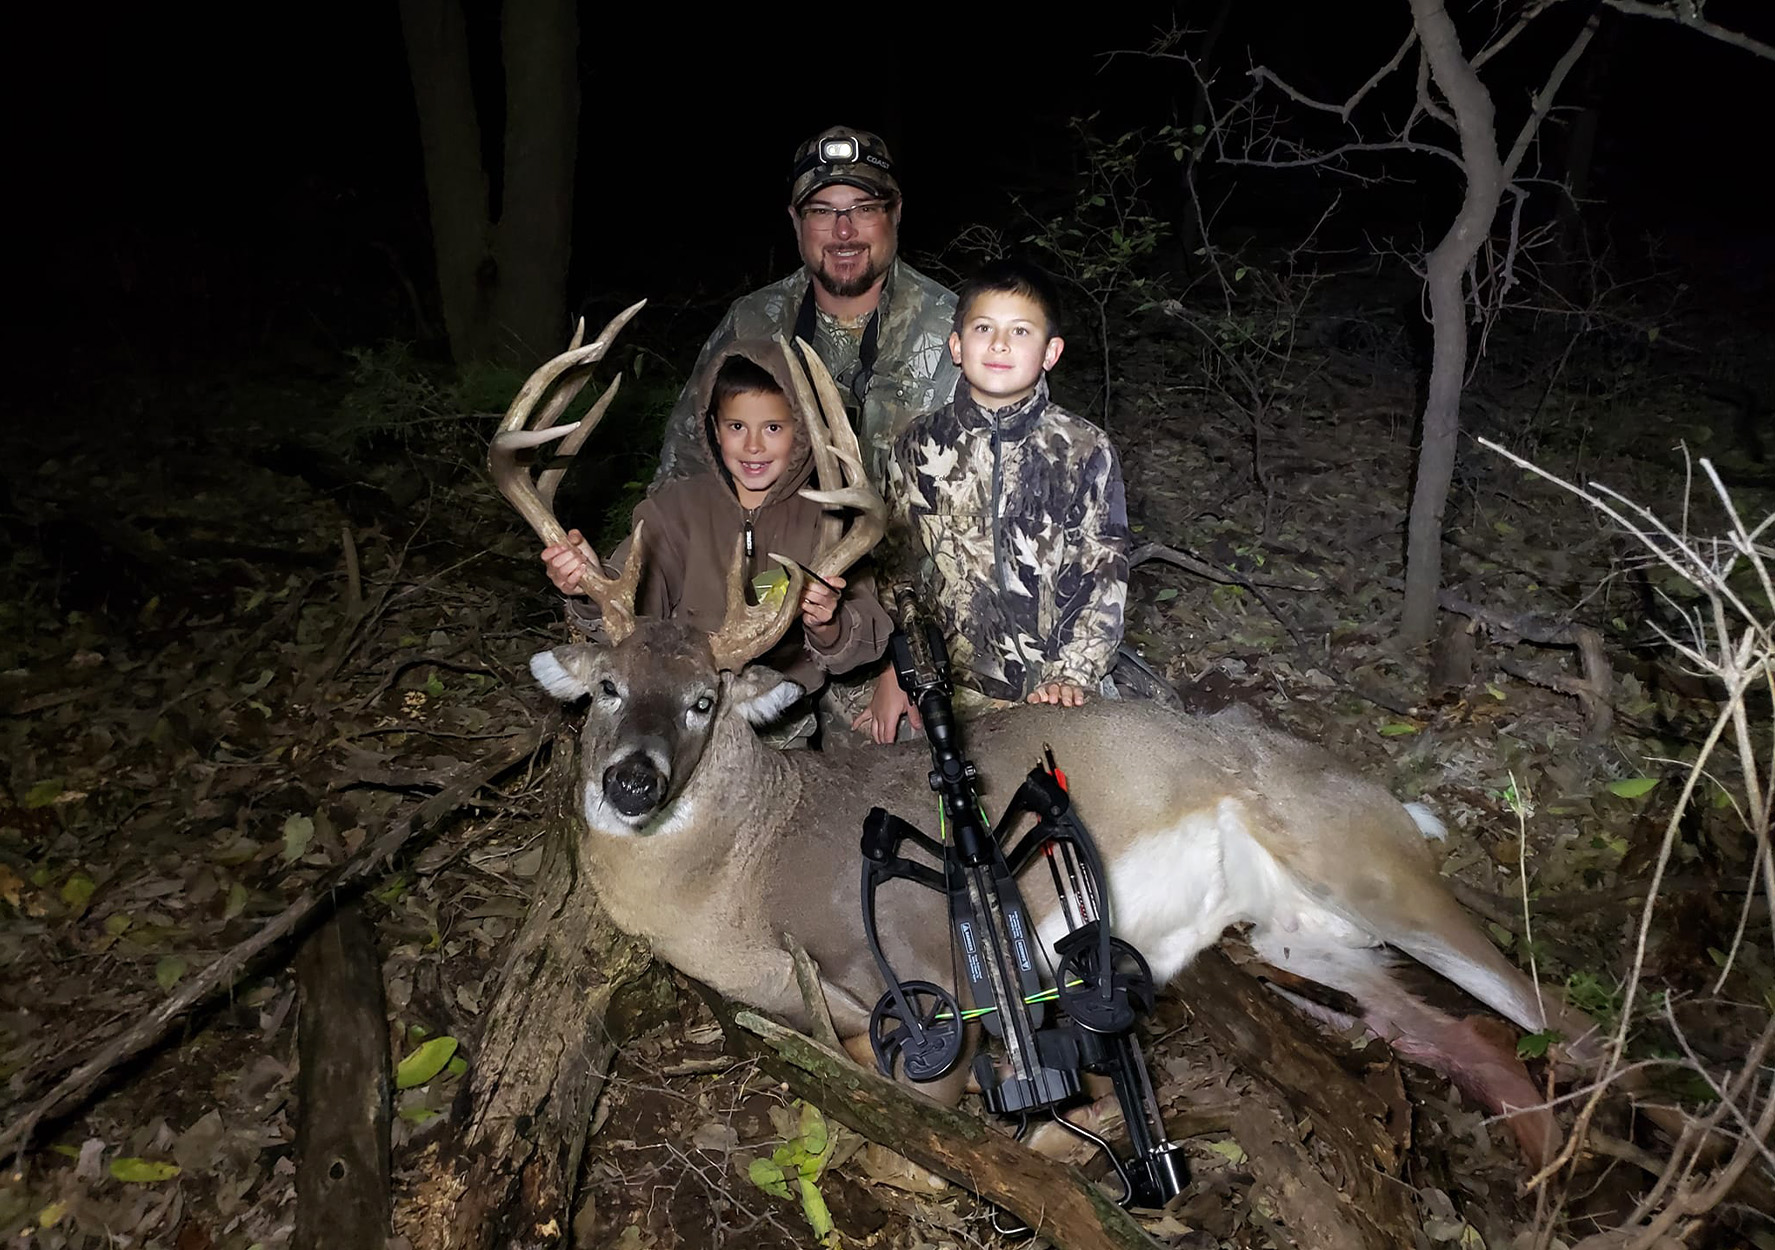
634	785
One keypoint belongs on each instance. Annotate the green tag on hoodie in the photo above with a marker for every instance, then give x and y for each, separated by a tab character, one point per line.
769	587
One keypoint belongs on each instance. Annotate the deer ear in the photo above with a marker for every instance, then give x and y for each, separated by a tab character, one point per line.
761	694
562	672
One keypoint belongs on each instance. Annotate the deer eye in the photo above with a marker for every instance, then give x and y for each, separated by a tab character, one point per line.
703	706
608	688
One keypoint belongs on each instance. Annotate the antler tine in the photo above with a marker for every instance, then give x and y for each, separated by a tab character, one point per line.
549	480
856	492
615	597
826	474
748	630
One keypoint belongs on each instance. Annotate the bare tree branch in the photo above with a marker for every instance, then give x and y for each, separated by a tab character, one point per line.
1688	13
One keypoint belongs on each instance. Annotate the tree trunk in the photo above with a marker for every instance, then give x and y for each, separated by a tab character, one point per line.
535	235
456	188
504	1178
502	270
1472	106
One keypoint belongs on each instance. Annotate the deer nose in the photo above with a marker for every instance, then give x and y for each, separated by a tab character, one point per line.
633	785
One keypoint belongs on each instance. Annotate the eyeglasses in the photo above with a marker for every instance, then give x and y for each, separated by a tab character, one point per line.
869	213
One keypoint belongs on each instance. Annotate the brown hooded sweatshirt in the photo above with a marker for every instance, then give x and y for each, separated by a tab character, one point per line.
693	523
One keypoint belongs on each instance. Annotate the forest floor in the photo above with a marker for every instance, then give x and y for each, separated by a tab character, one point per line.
204	709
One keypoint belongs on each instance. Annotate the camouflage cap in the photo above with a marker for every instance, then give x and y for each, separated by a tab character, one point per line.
839	154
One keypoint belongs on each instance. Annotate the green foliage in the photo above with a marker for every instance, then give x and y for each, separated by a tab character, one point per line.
800	1161
1102	243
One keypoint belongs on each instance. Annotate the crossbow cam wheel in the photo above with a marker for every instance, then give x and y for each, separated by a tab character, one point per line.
928	1045
1080	982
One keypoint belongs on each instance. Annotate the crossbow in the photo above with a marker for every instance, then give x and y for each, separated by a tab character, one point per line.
1046	1024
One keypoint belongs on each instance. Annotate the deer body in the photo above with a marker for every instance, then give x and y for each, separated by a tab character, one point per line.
1203	823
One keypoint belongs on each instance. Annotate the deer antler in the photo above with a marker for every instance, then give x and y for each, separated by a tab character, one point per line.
835	441
534	499
749	631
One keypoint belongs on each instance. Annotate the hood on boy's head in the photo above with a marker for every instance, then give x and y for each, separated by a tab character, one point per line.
768	355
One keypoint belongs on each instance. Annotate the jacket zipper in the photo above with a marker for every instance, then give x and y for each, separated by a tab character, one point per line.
998	559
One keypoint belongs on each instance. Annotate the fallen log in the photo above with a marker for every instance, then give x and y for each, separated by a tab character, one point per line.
1268	1039
342	1189
1059	1204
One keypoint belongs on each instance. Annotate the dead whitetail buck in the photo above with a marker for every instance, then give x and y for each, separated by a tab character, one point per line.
712	846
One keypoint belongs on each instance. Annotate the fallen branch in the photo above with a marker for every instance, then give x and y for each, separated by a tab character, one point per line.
1592	689
1201	568
458	787
1054	1201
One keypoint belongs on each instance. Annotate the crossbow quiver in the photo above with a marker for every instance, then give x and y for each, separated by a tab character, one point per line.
1042	1035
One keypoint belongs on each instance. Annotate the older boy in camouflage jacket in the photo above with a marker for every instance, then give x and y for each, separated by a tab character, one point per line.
1009	515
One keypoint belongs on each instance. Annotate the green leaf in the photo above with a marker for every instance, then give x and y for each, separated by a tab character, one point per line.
167	971
118	923
813	1130
143	1171
1632	787
457	1065
1494	691
424	1063
43	793
77	891
1166	595
819	1216
420	1115
769	1177
237	901
1534	1045
297	831
1397	729
434	686
1228	1149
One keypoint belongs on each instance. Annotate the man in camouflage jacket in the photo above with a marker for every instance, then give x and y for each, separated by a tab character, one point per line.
1013	526
880	326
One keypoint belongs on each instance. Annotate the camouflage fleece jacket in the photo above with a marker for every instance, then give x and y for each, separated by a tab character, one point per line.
911	371
1013	528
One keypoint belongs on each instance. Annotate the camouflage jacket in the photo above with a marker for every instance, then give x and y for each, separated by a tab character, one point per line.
911	372
1013	528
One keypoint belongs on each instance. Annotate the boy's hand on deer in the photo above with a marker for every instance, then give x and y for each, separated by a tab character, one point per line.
1062	692
819	610
566	561
881	721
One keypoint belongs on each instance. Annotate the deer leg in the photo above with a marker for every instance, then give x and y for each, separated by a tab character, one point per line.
1476	1053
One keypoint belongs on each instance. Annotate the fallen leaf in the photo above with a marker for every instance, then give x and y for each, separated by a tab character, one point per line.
424	1063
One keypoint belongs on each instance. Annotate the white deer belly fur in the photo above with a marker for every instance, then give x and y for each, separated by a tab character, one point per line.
1175	891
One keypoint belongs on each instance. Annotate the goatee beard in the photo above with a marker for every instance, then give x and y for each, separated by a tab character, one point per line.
847	289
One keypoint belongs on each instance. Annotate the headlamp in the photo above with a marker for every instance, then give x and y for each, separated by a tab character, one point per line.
839	150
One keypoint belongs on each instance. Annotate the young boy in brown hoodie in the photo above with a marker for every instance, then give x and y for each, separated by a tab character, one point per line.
758	443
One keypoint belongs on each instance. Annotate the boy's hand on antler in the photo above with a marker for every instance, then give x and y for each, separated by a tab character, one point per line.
566	561
819	610
1062	692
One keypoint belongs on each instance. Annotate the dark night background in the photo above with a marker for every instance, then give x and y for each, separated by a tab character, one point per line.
228	190
240	595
